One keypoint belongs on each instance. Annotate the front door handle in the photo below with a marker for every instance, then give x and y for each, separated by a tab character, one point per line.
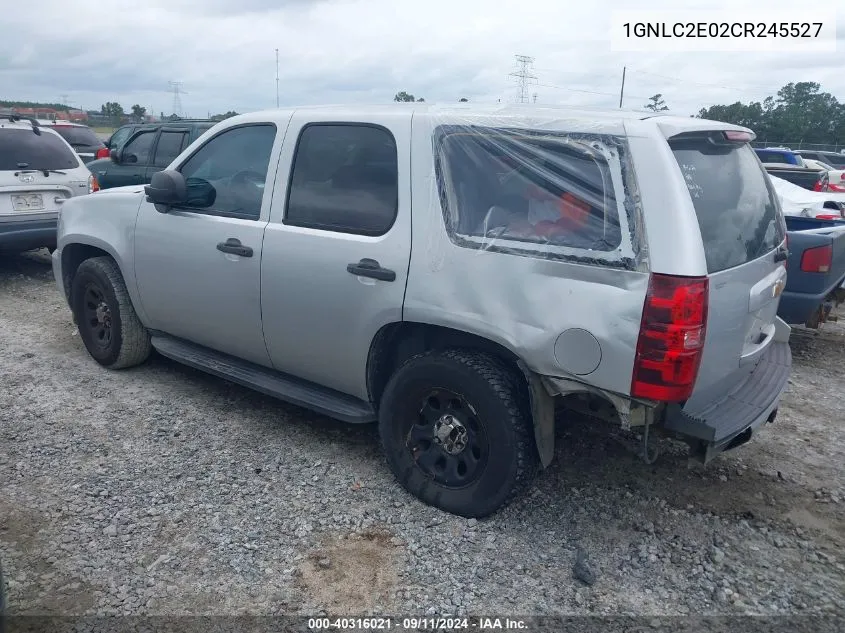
371	268
234	246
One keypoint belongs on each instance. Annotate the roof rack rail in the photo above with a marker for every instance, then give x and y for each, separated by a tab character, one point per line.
15	118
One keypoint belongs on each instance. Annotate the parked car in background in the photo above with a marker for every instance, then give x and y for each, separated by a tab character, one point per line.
835	177
139	151
798	201
122	134
779	155
451	273
39	172
804	177
81	138
837	161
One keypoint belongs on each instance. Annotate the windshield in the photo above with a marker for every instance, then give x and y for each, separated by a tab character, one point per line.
22	149
79	136
734	202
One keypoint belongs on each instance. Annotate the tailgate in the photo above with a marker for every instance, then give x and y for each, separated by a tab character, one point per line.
816	283
27	199
743	231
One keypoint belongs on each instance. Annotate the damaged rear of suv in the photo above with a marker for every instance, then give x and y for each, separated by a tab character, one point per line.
633	267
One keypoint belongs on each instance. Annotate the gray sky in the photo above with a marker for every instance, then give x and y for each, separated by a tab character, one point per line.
339	51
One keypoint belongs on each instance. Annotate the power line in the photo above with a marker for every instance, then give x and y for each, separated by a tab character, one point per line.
524	76
698	83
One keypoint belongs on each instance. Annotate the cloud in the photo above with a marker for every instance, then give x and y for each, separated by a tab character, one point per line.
335	51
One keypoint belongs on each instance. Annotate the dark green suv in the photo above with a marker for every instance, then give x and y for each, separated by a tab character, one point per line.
139	151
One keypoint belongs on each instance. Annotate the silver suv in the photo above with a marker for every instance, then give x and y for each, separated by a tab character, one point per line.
39	171
452	273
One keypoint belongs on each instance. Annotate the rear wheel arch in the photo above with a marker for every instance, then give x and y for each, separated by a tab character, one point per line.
395	343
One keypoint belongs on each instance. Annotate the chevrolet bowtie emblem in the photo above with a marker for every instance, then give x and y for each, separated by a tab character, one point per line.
778	288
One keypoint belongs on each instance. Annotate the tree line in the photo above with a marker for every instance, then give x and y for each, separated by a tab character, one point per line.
799	113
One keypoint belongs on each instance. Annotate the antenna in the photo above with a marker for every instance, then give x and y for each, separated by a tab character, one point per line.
524	76
277	78
176	89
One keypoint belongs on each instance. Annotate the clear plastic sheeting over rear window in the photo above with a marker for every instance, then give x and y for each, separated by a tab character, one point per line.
537	193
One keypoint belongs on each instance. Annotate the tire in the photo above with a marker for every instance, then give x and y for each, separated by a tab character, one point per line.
441	408
105	318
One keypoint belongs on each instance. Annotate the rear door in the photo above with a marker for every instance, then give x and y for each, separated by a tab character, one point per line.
743	230
170	143
337	248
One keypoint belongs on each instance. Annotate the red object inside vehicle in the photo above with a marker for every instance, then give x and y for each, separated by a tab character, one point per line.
671	338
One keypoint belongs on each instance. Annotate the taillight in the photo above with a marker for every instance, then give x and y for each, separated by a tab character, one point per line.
93	185
102	152
827	216
817	260
671	338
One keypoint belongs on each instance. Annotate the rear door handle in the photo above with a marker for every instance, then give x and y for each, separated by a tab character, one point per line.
371	268
234	246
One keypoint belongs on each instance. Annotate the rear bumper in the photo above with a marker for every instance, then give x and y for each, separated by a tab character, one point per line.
796	308
731	421
27	234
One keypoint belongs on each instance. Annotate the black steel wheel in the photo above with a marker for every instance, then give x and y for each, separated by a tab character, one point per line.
447	439
456	429
107	323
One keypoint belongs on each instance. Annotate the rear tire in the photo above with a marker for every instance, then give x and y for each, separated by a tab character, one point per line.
105	318
456	428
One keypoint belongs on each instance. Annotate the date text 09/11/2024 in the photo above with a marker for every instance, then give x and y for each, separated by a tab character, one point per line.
416	624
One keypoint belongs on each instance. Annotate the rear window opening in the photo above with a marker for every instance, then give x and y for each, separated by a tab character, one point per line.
734	201
532	190
21	149
78	136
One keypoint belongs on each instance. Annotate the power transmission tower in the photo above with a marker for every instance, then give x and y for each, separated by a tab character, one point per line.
176	89
64	99
523	76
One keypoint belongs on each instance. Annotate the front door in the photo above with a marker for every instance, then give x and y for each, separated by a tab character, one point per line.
336	254
134	159
198	267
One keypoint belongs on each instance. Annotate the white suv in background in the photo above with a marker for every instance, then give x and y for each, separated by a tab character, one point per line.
39	171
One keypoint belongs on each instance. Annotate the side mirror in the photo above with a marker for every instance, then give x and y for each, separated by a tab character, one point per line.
115	156
166	189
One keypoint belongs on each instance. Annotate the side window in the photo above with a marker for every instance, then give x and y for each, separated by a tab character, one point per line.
140	148
169	146
344	179
226	176
119	137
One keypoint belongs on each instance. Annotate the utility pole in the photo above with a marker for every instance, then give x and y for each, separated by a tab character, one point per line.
535	97
622	89
176	88
523	76
277	78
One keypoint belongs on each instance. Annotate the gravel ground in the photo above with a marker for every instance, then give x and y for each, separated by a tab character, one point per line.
160	490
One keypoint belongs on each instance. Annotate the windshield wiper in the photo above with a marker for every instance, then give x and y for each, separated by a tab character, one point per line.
46	172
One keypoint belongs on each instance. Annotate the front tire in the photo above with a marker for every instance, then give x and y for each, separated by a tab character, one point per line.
456	428
107	323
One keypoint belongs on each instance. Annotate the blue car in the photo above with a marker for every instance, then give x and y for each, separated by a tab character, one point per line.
779	155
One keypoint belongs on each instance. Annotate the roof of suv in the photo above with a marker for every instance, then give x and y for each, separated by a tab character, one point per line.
523	114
